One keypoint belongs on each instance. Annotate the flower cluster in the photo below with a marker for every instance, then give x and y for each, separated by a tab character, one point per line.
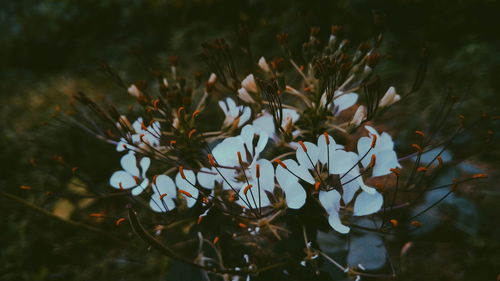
267	156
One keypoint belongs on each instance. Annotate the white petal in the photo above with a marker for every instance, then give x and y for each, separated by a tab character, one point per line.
336	224
266	180
295	195
350	187
145	162
140	188
225	153
246	134
310	158
261	144
164	185
208	177
385	162
323	149
129	164
264	123
137	125
293	171
367	204
126	180
252	198
364	145
187	185
330	200
345	101
164	205
245	116
341	162
232	108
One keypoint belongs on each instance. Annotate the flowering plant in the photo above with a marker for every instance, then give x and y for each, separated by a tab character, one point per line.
249	174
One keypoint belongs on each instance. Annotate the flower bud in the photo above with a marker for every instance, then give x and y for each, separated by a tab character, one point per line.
249	83
389	97
245	96
359	116
263	64
134	91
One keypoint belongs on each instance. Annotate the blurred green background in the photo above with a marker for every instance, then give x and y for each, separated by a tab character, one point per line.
50	49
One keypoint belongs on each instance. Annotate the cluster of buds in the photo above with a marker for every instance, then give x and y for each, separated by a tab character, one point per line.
255	165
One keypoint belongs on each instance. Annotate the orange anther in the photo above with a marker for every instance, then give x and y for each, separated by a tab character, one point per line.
143	127
181	171
327	138
317	185
200	218
25	187
74	169
96	215
240	160
173	142
421	169
373	160
440	161
136	179
155	103
395	171
374	140
416	223
394	222
216	239
280	163
420	133
242	225
120	185
417	147
119	221
185	193
154	179
211	160
162	196
195	113
307	89
257	170
141	137
179	111
479	176
190	134
247	188
303	146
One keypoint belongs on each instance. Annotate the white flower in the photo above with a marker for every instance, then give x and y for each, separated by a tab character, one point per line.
265	122
263	64
389	97
327	154
131	176
235	177
249	84
144	137
386	157
164	192
233	112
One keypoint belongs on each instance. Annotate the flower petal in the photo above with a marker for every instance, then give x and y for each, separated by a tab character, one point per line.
129	164
208	177
367	204
341	162
336	224
127	181
330	200
344	102
310	158
295	195
187	185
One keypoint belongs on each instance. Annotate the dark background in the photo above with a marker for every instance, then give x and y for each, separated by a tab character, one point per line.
51	49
